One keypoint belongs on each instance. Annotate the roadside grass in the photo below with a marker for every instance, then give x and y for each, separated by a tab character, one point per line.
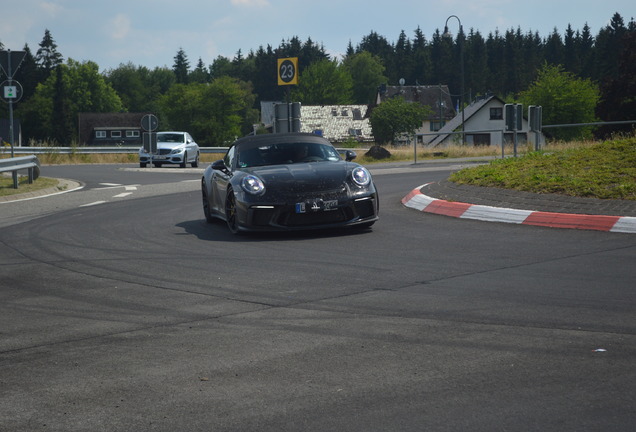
605	170
53	158
6	185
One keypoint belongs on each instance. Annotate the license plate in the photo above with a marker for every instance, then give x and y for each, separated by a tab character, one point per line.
316	205
331	205
160	157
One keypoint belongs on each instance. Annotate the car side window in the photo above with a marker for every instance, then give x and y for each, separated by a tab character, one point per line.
229	157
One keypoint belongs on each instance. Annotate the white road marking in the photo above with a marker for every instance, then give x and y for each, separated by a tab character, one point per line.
93	204
121	195
108	187
43	196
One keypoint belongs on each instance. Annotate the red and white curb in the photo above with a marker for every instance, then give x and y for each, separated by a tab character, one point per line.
417	200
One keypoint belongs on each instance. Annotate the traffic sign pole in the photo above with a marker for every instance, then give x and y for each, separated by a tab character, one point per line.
6	58
150	123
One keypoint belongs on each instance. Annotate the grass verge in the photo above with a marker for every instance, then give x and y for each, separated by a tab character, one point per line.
6	185
605	170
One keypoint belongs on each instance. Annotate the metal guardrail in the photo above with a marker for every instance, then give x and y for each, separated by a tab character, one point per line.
114	150
97	150
15	164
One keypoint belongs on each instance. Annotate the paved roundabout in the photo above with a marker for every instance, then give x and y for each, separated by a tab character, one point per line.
122	309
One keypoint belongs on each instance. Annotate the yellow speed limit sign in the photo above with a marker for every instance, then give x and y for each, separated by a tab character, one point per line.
288	71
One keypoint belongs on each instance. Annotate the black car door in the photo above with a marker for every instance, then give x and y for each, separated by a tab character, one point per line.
220	180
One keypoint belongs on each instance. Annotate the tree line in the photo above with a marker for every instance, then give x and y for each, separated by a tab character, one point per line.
221	101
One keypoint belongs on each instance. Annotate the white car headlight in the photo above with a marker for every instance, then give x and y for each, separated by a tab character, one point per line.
361	176
253	185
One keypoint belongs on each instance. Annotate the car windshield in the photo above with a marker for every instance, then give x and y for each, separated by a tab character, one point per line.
170	137
287	153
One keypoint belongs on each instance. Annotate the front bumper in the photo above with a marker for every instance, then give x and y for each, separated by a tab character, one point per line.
286	217
169	158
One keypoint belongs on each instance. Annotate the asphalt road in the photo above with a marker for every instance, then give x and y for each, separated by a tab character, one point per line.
122	310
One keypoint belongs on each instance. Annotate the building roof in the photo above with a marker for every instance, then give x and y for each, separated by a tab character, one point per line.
337	122
456	122
333	122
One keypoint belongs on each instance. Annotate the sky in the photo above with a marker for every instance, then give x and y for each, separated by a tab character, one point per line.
151	32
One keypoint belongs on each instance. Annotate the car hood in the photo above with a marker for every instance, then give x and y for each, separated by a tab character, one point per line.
169	145
312	176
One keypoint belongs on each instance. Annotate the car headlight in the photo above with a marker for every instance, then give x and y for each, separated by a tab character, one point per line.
177	150
252	184
361	176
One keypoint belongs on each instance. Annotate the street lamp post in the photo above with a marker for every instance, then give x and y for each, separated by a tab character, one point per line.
461	67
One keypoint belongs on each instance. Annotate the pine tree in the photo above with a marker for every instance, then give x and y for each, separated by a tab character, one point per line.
609	45
403	60
533	55
476	65
495	46
554	49
618	101
265	71
571	58
422	64
47	57
200	74
311	53
27	74
181	66
585	52
350	50
515	60
380	47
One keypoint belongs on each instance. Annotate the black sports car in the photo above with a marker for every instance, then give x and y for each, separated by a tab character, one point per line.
291	181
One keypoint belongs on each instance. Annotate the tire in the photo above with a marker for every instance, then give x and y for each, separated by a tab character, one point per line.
230	212
184	161
142	165
195	163
206	203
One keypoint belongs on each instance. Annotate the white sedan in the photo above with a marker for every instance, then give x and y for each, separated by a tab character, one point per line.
172	148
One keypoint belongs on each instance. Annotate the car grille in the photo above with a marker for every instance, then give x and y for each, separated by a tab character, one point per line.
318	218
365	208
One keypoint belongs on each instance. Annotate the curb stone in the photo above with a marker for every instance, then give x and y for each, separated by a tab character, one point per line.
417	200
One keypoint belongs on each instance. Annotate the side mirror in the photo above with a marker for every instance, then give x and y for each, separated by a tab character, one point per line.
350	155
219	166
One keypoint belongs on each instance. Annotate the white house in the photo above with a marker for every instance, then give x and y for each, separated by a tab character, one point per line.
484	124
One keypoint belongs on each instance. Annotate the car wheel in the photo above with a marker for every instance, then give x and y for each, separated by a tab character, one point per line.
142	165
184	161
206	203
230	212
195	163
